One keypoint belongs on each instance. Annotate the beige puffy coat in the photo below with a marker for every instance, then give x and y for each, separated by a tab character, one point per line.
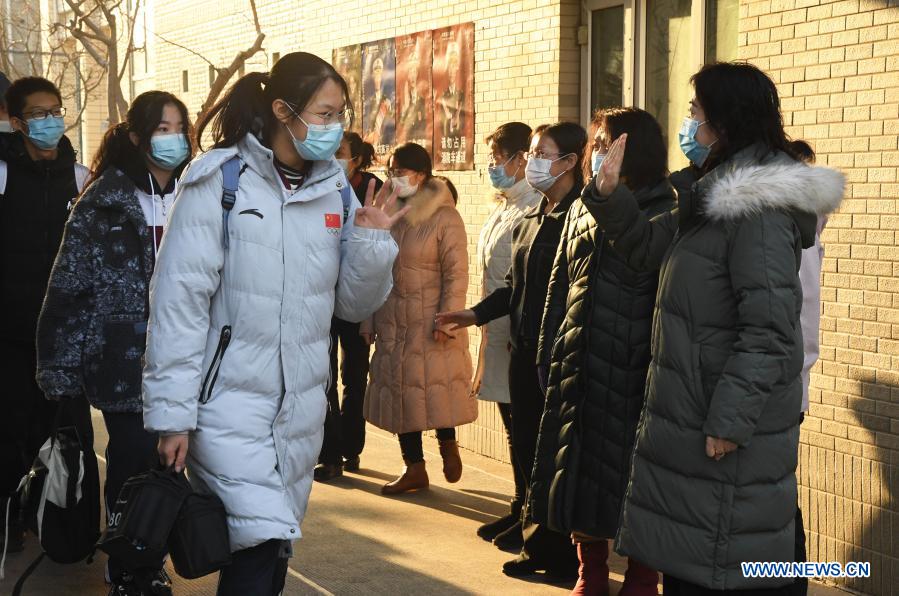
417	383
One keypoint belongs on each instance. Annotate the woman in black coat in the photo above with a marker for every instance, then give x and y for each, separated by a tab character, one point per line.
595	339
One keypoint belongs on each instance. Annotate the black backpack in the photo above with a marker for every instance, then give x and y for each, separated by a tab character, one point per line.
63	485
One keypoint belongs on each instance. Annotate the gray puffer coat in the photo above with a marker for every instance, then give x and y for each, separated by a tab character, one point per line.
726	362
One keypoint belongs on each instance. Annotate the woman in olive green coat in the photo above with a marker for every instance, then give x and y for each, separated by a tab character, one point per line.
713	474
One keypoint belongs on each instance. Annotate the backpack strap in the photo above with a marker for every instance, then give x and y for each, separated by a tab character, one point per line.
346	195
230	180
17	589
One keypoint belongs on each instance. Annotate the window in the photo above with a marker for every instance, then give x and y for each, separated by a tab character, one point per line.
668	69
721	30
643	52
185	86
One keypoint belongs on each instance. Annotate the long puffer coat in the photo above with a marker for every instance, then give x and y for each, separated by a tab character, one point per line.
595	333
237	349
495	258
417	383
726	362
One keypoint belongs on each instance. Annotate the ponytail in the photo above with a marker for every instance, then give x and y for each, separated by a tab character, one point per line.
241	111
360	149
366	155
247	106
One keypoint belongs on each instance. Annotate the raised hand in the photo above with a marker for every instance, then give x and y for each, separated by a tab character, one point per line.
610	172
376	213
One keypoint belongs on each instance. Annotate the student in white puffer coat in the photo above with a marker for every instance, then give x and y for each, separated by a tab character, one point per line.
237	352
508	145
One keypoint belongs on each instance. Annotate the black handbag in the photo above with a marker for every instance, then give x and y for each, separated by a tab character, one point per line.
143	517
198	543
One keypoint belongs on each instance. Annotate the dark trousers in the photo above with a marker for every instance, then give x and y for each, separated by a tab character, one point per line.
131	451
410	444
26	418
344	424
673	586
521	486
257	571
554	551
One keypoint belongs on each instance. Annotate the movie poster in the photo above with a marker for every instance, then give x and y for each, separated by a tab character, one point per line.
453	74
348	62
379	96
414	109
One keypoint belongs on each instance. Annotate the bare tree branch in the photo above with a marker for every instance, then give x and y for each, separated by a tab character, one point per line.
132	19
186	49
223	75
85	18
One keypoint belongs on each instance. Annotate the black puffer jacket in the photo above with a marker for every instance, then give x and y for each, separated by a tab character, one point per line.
33	212
596	331
92	330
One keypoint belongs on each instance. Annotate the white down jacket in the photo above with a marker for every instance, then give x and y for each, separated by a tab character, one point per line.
237	348
494	261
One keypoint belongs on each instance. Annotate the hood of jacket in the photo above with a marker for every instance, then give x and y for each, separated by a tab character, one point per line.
259	158
746	186
433	195
12	151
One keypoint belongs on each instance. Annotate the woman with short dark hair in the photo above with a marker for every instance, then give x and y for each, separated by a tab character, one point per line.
595	342
713	475
553	169
421	371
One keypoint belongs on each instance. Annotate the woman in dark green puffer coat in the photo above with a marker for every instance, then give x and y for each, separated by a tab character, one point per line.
595	339
713	474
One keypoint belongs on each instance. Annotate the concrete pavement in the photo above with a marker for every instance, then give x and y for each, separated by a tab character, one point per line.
359	542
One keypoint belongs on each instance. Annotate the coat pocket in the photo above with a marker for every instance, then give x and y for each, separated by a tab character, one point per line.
212	373
113	374
711	365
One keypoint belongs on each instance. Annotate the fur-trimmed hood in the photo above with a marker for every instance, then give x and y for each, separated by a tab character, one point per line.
433	195
745	189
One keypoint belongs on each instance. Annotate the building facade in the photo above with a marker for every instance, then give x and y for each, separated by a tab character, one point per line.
539	61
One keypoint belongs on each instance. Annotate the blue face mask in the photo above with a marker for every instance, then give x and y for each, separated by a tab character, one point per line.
597	162
322	140
46	132
498	176
695	151
169	151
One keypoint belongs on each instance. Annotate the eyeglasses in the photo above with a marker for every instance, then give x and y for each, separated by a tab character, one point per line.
397	172
42	114
344	117
541	155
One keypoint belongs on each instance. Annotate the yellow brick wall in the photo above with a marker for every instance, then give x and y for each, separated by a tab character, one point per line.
837	69
527	65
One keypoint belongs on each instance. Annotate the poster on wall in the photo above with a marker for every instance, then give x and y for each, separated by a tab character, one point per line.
414	110
348	62
379	96
453	74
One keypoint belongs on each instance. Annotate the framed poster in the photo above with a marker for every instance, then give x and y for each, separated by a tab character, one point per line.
379	96
414	109
348	62
453	76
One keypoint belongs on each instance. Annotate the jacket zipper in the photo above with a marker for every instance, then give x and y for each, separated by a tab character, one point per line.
213	373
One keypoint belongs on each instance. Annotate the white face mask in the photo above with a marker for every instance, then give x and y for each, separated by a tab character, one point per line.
537	173
345	164
403	188
5	126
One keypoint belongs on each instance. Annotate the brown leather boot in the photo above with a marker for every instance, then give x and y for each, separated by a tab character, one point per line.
414	478
452	462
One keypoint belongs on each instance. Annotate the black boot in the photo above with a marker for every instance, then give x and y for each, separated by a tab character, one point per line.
523	566
491	530
326	472
511	539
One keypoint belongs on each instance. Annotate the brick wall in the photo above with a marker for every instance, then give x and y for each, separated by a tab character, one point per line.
837	69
